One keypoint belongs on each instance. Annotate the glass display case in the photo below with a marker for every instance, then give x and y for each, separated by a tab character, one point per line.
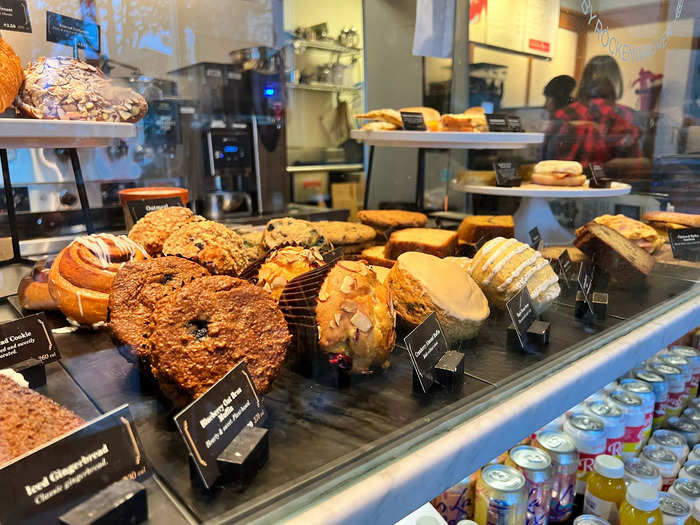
277	262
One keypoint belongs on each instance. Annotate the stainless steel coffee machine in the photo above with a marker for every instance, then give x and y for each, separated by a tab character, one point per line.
234	141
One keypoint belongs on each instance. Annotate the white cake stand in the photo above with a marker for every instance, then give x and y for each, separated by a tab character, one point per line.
534	209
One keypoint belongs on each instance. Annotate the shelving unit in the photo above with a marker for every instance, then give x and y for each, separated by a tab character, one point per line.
327	88
324	45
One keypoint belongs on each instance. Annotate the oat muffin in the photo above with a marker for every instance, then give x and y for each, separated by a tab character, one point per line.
254	248
210	244
382	220
136	290
288	230
207	327
154	228
284	264
355	317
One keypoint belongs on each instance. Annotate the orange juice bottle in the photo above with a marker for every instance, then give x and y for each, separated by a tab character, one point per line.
641	506
605	490
694	514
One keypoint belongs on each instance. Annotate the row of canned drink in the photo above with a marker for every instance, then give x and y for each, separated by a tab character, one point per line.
537	481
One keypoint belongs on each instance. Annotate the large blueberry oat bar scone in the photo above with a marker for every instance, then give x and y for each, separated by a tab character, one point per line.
63	88
153	229
293	231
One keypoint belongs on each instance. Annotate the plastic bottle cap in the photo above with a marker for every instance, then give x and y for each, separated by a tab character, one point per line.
642	496
696	510
609	466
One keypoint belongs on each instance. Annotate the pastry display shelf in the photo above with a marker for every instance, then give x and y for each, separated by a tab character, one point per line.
424	140
31	133
373	451
534	209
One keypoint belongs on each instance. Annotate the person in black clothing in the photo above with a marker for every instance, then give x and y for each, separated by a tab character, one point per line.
558	93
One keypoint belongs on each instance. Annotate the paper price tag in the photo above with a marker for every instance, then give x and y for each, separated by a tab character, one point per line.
14	16
535	238
585	281
26	338
685	243
522	313
62	29
413	121
137	209
506	173
426	344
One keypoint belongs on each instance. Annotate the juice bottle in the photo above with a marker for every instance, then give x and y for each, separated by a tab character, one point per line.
605	490
641	506
694	514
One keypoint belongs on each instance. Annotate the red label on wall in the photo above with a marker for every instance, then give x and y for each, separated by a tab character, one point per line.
538	45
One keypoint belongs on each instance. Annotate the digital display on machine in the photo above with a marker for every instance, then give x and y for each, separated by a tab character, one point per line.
269	92
230	149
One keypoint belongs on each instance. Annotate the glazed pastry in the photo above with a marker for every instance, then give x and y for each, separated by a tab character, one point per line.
207	327
33	290
136	291
421	284
441	243
210	244
382	220
462	262
621	258
154	228
11	75
355	317
293	231
81	276
284	264
476	228
29	420
502	267
65	88
376	255
639	233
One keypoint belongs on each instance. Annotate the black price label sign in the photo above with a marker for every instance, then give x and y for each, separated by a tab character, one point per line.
413	121
69	31
210	423
535	238
506	173
26	338
597	173
497	122
426	344
565	264
14	16
585	281
628	210
685	243
514	123
522	314
137	209
46	482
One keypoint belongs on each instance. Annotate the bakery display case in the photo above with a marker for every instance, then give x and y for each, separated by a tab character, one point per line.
181	344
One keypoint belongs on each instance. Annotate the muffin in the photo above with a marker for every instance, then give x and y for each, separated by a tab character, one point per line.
136	290
254	249
210	244
351	236
210	325
355	317
284	264
293	231
154	228
421	284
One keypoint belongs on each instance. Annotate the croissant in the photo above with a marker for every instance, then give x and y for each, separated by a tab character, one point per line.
11	75
81	276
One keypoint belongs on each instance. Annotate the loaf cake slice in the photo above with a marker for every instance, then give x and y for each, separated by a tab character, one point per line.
485	227
376	256
621	258
440	243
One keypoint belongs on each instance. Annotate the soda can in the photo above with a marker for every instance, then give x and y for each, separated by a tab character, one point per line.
665	460
676	387
674	510
690	470
639	470
581	407
457	502
673	440
590	519
600	395
682	364
694	453
691	414
501	497
562	450
695	403
689	430
635	419
555	425
646	394
693	356
536	466
686	488
588	433
614	420
660	386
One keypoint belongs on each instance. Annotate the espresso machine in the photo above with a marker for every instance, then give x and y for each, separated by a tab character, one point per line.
234	141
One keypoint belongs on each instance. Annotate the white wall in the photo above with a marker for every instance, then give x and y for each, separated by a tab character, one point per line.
563	63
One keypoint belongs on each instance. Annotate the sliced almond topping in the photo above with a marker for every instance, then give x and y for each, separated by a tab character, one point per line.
361	322
333	323
348	284
348	306
337	318
351	266
267	288
323	294
279	282
316	255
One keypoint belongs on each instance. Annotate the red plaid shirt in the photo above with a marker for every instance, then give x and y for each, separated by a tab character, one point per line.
593	132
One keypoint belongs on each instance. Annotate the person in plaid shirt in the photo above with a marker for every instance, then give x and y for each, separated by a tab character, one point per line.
594	128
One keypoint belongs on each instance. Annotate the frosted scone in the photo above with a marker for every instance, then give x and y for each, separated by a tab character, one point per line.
503	266
421	284
283	265
355	317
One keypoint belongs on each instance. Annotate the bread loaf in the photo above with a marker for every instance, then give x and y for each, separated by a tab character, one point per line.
11	75
666	220
502	267
475	228
440	243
